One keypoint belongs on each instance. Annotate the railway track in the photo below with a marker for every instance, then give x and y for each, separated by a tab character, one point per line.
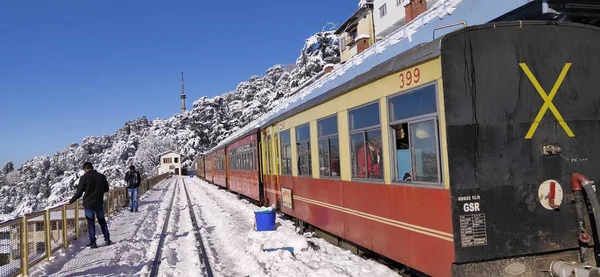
203	258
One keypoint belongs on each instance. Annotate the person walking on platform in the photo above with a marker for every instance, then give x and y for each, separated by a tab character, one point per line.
94	184
133	178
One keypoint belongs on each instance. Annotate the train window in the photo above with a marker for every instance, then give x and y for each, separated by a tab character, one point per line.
329	155
327	126
365	142
364	117
303	149
286	152
415	103
424	144
414	128
366	155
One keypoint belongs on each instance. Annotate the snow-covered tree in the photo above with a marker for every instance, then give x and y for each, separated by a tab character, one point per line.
8	167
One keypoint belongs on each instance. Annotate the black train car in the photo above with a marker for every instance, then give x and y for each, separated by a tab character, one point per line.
513	205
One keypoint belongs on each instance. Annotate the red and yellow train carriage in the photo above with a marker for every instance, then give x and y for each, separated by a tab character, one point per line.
441	158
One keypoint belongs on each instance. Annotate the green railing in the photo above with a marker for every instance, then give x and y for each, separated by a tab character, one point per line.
30	239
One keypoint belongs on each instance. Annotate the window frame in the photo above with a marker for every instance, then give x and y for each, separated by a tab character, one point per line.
328	139
298	144
383	10
364	131
435	117
282	152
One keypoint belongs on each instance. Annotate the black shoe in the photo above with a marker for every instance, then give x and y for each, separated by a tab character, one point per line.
136	210
131	210
92	245
109	242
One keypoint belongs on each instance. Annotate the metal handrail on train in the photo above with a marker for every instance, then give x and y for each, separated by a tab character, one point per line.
45	232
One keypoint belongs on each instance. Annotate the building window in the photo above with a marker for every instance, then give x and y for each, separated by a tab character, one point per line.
382	10
329	148
4	258
343	44
398	3
4	235
414	124
365	142
286	152
40	247
303	149
176	160
167	160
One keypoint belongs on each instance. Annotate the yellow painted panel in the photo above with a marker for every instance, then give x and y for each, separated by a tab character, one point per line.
385	141
386	86
443	136
344	141
294	152
314	149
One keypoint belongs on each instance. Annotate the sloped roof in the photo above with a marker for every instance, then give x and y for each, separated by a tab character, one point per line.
170	151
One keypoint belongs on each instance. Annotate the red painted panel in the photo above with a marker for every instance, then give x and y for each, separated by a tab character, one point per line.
375	216
323	190
271	186
244	182
219	178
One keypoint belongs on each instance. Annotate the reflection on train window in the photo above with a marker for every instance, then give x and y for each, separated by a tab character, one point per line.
329	155
303	149
364	117
286	152
413	104
365	142
413	117
425	152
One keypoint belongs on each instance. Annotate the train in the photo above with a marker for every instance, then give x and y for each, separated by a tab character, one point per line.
470	155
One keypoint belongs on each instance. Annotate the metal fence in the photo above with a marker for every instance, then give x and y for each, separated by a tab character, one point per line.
32	238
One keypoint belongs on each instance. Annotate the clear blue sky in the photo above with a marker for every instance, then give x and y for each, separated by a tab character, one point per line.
71	69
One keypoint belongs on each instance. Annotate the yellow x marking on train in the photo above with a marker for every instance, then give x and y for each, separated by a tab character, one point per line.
547	100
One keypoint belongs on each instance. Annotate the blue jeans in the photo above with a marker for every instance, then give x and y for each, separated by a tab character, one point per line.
133	198
89	215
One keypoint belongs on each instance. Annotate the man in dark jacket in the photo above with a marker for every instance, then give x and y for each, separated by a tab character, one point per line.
94	185
133	179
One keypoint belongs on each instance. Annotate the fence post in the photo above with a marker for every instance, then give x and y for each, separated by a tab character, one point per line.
64	225
24	250
76	219
47	232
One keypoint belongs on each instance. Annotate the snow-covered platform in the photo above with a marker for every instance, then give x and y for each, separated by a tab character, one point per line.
226	223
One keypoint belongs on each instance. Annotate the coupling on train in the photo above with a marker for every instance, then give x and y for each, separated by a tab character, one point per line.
471	155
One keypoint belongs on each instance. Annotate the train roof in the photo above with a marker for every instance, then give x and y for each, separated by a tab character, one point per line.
412	43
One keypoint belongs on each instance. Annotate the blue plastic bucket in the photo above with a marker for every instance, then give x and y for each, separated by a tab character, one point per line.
265	220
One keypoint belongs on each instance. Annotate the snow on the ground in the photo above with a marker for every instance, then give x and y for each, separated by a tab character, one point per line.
237	250
135	237
226	223
180	254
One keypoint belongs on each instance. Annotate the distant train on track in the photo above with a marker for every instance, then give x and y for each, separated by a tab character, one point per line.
459	157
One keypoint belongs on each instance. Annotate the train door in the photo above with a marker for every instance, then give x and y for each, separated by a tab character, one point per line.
268	178
276	159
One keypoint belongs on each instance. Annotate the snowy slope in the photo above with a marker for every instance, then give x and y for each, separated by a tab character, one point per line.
50	180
